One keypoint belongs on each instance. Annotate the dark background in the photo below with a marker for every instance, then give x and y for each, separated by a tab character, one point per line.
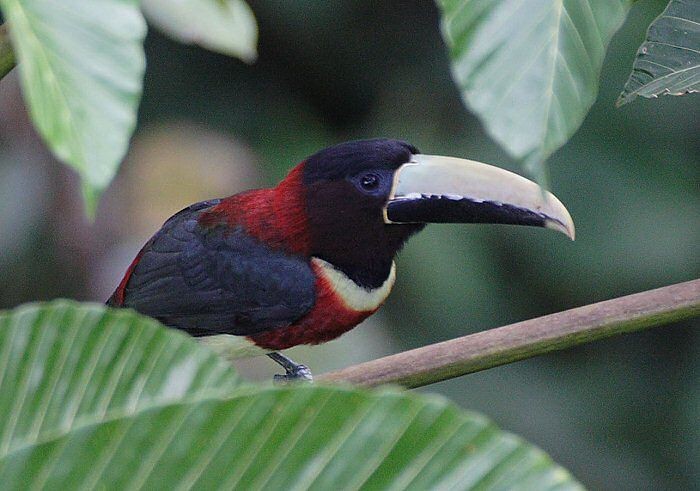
621	414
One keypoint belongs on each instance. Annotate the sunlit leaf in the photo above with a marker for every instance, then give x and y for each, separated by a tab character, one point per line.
529	69
668	62
64	365
95	397
225	26
294	439
81	65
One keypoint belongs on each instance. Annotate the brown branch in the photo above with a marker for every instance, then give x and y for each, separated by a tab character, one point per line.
526	339
7	55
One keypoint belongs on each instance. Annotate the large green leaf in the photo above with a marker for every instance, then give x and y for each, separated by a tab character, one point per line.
668	62
65	365
225	26
529	68
81	65
92	397
302	438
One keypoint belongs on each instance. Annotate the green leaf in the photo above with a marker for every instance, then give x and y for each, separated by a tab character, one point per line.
7	54
81	65
224	26
668	62
530	69
95	397
65	365
300	438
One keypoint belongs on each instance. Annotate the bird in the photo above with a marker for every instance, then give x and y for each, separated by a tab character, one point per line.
308	260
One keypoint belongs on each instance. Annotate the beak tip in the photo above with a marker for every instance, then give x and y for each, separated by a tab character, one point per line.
567	228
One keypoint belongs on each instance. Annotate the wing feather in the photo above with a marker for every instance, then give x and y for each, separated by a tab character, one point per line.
217	280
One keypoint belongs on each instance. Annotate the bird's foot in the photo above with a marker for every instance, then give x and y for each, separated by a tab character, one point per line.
293	371
300	373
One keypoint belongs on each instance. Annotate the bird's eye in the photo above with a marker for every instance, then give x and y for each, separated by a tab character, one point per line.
369	182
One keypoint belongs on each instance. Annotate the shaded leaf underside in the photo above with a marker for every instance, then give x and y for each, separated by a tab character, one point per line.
668	62
225	26
529	69
81	67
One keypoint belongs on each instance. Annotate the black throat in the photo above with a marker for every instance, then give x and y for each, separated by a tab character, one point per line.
354	238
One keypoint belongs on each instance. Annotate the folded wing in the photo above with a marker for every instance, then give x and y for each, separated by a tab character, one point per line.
217	280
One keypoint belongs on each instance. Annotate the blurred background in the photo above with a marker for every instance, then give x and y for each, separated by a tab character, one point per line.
620	414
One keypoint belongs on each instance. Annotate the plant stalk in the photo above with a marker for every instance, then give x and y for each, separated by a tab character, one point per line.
7	54
514	342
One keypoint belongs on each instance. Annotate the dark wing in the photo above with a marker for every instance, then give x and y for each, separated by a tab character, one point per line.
217	280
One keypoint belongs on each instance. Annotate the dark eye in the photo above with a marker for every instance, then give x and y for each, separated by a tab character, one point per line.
369	182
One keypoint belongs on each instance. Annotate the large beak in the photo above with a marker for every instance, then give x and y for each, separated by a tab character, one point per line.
437	189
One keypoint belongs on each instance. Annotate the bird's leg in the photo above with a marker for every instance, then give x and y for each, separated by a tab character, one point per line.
294	371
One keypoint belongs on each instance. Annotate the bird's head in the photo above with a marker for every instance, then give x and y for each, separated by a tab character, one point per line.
365	198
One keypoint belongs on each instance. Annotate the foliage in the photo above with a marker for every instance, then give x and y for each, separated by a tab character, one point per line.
81	68
224	26
530	70
82	64
96	396
668	62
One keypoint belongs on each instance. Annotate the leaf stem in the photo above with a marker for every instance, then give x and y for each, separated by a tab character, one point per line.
487	349
7	54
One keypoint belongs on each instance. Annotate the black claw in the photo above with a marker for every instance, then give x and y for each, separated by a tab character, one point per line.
293	371
300	374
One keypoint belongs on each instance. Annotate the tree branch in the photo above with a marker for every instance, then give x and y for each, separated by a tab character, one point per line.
7	55
526	339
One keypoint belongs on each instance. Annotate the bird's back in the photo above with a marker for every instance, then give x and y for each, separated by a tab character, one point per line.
210	278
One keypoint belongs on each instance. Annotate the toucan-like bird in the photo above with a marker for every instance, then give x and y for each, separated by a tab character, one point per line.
308	260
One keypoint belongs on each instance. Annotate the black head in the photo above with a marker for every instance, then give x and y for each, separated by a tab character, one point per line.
347	187
365	198
352	159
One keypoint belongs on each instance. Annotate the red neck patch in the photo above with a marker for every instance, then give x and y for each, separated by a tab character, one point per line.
276	217
329	318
